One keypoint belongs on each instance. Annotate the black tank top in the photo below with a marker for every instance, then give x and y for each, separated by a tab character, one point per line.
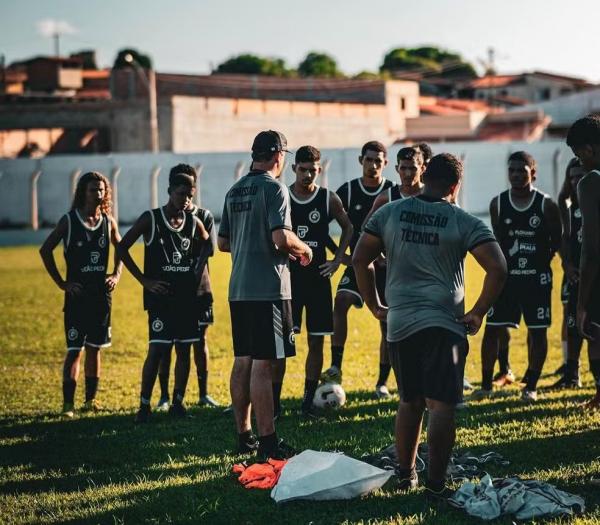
170	255
358	201
86	254
310	222
524	235
394	193
575	235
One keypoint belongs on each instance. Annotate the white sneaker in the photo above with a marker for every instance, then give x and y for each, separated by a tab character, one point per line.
208	401
466	384
528	396
382	392
162	405
482	393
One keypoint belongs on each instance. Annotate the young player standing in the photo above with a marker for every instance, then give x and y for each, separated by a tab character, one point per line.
527	225
584	139
312	209
410	167
425	239
357	196
86	232
173	240
203	307
256	228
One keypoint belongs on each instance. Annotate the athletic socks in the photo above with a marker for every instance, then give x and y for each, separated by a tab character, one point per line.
532	379
503	360
69	390
178	396
384	373
595	369
202	382
267	444
247	442
91	387
487	377
571	369
163	379
337	354
277	398
310	387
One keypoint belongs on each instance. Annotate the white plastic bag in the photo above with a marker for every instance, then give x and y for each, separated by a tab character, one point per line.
325	476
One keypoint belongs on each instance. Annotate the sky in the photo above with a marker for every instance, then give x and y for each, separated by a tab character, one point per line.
191	36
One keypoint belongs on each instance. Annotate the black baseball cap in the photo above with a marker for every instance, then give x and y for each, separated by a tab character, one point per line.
269	141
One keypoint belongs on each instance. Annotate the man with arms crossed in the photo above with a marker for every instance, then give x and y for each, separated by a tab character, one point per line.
426	239
584	139
256	229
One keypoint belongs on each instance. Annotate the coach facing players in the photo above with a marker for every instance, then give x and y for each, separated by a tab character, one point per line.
256	228
426	239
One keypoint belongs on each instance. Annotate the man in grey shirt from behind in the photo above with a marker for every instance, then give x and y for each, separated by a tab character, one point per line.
426	239
256	228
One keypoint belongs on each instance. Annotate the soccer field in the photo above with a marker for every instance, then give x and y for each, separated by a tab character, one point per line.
102	469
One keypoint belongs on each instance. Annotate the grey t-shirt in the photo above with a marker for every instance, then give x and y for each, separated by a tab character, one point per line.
254	207
426	241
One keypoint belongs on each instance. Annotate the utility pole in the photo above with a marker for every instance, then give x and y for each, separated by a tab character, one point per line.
56	37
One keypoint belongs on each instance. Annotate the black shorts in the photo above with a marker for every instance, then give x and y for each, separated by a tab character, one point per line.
527	296
204	310
87	322
564	290
312	292
262	329
173	323
430	364
349	285
380	275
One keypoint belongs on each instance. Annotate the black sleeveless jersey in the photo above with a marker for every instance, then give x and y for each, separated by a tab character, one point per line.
310	222
358	201
86	254
524	235
575	235
394	193
171	255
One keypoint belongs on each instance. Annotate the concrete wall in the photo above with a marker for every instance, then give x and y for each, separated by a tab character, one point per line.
485	176
448	126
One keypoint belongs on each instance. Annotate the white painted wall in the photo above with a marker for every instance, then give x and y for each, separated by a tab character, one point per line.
485	176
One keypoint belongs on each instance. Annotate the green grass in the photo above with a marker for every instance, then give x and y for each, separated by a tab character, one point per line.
103	469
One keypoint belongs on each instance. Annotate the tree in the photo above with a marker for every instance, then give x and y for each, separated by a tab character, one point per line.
428	60
143	60
319	65
254	65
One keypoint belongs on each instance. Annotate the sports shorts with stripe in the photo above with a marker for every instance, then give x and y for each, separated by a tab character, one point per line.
262	329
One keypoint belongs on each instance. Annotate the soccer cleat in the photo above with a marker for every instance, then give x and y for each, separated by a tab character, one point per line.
68	411
143	415
249	446
467	384
163	404
92	405
565	382
332	375
311	414
281	451
560	370
437	495
177	410
482	393
524	380
528	396
406	479
208	401
382	392
502	379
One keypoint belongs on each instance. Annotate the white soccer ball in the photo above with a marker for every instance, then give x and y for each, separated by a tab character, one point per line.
329	395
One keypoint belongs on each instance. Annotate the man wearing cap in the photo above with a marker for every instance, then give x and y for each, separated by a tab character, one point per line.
256	228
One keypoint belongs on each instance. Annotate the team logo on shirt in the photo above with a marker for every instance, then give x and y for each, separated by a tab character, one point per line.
577	213
176	257
345	280
292	338
102	242
580	236
358	207
72	334
522	262
185	243
94	257
302	231
534	221
157	325
79	244
491	311
508	220
314	216
571	321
